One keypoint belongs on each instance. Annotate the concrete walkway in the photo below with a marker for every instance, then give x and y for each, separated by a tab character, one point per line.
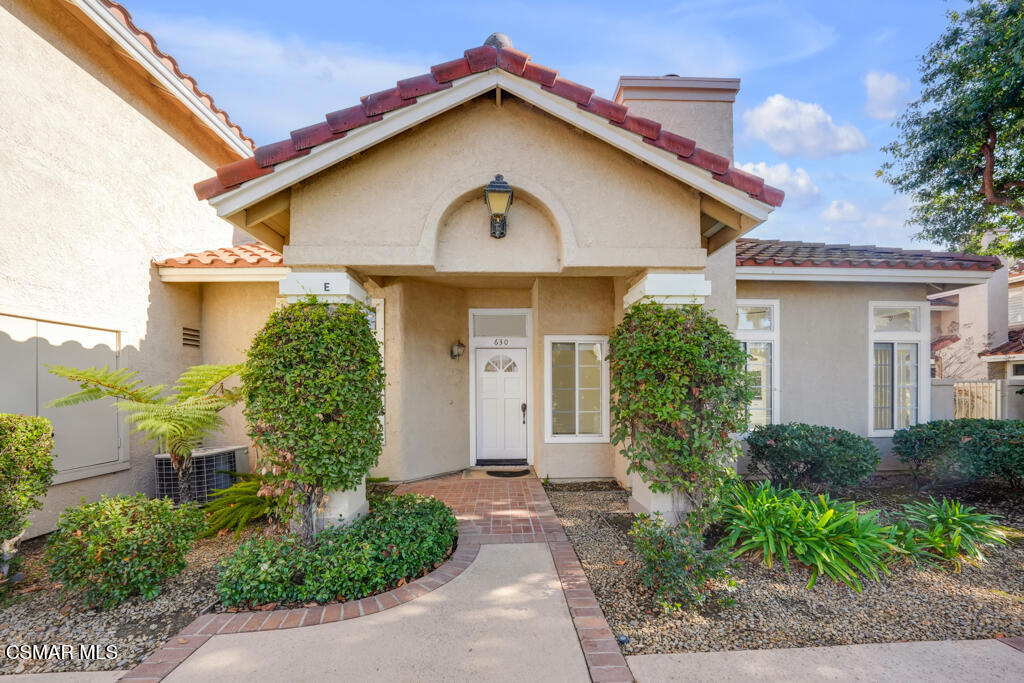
503	619
931	662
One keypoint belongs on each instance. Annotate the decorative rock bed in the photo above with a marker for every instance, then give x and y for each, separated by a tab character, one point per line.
774	609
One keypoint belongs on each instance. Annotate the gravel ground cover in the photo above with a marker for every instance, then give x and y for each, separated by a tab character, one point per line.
40	614
774	609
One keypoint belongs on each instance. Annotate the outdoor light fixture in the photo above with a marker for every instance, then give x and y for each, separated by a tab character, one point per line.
498	197
458	348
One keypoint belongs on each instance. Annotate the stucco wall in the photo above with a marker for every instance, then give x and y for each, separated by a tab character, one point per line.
97	180
980	320
391	205
578	306
232	314
824	349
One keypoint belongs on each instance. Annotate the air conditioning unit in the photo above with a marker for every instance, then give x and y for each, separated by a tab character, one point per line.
210	468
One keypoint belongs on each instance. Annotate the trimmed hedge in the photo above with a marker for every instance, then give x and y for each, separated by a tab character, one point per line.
401	538
798	455
118	547
26	469
971	448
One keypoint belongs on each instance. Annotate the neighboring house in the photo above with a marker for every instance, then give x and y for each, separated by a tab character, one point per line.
1006	360
101	137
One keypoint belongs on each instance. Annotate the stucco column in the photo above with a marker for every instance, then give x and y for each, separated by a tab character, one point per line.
336	287
668	289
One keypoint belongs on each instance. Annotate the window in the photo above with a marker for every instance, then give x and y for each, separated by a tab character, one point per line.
1018	370
576	389
757	329
897	373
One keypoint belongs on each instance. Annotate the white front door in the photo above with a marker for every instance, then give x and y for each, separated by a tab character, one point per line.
501	404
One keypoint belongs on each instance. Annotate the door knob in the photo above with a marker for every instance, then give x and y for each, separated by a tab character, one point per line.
524	413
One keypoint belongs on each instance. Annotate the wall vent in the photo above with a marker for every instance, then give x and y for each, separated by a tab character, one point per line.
190	337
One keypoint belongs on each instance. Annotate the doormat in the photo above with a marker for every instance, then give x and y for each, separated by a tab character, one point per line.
508	473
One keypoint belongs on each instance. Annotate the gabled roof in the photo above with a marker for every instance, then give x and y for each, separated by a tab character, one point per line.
477	60
114	20
252	255
754	252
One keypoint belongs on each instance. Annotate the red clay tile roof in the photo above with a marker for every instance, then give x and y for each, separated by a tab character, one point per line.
753	252
1017	268
253	255
942	342
122	15
1014	346
475	60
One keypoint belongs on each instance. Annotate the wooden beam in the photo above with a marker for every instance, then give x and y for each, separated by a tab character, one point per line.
271	206
721	238
720	212
266	235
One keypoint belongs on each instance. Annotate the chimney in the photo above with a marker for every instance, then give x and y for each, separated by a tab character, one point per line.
698	108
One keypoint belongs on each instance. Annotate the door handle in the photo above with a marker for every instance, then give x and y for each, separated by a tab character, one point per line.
524	413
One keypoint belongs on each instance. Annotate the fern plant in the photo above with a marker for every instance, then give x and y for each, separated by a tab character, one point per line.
234	507
178	421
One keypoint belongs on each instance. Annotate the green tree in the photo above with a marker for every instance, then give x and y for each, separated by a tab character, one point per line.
680	390
959	148
178	422
314	391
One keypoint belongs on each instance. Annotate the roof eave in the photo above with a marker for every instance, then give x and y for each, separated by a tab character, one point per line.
855	274
207	274
325	155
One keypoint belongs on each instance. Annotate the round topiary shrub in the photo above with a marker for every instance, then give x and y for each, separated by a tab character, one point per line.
118	547
991	448
680	389
26	472
804	456
928	449
314	386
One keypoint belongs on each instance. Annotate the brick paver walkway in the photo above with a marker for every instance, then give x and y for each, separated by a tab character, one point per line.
494	511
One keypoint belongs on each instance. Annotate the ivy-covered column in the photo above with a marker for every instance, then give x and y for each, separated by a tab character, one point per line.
335	287
672	409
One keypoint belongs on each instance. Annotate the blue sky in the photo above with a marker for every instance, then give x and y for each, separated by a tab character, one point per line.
821	81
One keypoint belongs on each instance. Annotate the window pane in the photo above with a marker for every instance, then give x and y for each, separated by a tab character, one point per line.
577	387
485	325
563	388
906	385
760	365
882	399
590	423
753	317
590	354
562	423
896	320
1018	370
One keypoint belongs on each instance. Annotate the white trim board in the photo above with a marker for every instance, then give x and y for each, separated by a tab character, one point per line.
359	139
1007	358
815	274
164	76
270	274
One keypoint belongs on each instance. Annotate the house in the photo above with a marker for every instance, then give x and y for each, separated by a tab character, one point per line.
494	317
1006	360
101	137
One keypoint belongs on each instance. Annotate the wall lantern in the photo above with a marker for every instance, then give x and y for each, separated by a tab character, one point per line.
498	197
458	348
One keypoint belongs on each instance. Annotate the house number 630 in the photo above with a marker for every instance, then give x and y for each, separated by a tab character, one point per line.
501	341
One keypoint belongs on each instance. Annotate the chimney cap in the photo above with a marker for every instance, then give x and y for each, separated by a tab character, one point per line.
677	88
498	40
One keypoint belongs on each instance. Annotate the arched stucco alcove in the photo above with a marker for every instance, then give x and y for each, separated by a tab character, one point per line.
464	243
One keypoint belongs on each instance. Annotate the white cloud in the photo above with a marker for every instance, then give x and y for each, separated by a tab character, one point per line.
841	211
792	128
271	85
796	182
886	94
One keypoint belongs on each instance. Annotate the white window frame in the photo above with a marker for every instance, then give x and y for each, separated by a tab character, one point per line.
922	337
773	337
604	436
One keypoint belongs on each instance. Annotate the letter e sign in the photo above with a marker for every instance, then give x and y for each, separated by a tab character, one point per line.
327	286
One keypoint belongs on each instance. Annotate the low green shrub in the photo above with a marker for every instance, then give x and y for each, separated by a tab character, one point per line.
232	508
675	564
118	547
803	455
829	536
992	448
947	530
401	538
26	471
928	449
